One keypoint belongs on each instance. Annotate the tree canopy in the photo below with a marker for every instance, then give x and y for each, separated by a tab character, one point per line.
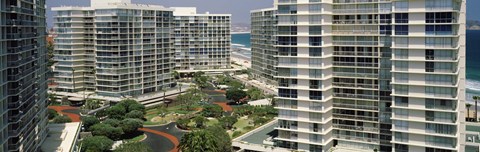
107	130
62	119
96	144
236	95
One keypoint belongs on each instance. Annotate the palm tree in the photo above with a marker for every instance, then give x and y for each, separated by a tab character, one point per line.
476	106
200	140
271	98
180	87
176	75
468	109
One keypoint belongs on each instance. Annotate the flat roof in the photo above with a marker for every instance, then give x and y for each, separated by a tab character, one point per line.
61	137
261	135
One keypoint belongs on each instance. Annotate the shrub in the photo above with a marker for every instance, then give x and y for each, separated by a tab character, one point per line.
112	122
52	114
236	134
135	114
116	112
131	125
89	121
212	111
96	144
62	119
107	130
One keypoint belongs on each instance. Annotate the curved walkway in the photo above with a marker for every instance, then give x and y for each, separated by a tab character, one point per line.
67	111
169	132
224	106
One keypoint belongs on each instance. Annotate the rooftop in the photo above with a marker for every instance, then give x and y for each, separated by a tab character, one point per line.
61	137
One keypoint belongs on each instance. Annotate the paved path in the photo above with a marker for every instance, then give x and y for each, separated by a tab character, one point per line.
163	138
71	112
224	106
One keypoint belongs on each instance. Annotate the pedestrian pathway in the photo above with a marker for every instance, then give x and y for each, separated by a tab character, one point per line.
67	111
224	106
164	138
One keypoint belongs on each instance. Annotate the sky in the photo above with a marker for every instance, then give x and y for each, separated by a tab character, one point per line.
240	9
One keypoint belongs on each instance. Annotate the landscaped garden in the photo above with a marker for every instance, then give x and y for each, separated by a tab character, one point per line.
116	123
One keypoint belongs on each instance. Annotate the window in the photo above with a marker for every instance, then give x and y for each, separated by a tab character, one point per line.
315	41
401	89
315	84
401	42
440	92
401	137
401	5
386	29
315	30
287	51
315	116
429	55
290	19
401	148
438	30
287	93
401	18
440	129
315	8
401	29
440	104
401	101
315	19
401	65
439	79
285	40
287	72
315	51
443	17
315	95
401	113
401	125
287	30
401	78
429	67
315	73
401	54
440	141
313	62
386	18
287	9
439	4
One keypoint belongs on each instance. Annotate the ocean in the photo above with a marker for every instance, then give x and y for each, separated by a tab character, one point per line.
473	63
473	59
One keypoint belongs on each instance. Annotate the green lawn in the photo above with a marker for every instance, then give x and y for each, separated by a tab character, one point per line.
137	139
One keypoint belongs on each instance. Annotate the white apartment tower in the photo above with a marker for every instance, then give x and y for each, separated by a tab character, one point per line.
263	29
202	41
114	47
366	75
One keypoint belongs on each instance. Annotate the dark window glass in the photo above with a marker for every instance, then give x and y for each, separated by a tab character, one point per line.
401	18
315	41
315	51
401	29
429	67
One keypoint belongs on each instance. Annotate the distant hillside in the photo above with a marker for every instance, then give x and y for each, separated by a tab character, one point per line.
473	25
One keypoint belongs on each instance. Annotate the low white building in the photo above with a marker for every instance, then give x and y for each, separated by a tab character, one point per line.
62	137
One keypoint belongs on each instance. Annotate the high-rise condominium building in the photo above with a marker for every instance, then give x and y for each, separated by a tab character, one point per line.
23	84
202	41
263	29
120	49
386	75
114	47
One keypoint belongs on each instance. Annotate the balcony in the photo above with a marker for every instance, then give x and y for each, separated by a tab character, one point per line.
355	106
359	128
361	96
353	117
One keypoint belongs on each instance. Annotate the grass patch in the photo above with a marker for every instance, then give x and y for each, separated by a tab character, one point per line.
137	138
